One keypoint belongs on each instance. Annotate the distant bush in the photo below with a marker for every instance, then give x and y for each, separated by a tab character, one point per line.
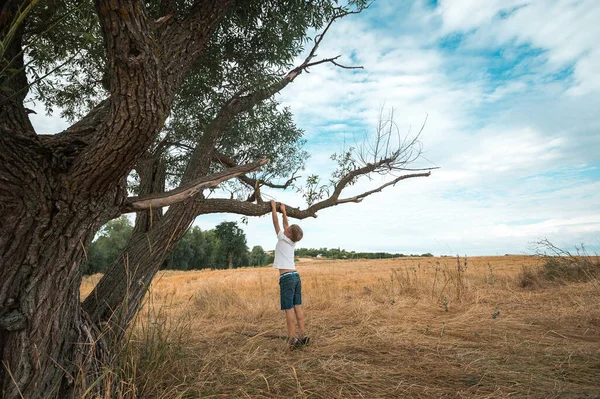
337	253
560	264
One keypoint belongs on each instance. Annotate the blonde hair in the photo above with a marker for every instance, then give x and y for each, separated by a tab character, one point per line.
296	233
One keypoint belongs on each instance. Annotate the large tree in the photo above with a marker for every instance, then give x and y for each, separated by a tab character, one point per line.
231	246
129	64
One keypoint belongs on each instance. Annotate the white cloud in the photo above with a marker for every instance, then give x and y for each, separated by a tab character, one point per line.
566	30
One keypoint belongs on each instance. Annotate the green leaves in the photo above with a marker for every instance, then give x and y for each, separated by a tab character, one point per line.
313	191
346	162
65	46
197	249
258	257
16	23
192	251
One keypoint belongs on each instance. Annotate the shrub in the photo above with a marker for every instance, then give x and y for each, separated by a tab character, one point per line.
560	264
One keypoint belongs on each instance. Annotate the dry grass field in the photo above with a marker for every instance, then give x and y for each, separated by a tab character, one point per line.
401	328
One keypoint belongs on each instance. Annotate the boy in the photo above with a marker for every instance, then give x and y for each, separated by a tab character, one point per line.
290	286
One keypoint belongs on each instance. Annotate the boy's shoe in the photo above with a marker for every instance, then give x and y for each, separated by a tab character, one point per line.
294	343
304	341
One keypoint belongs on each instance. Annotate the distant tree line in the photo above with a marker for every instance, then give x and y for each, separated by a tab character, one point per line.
220	248
337	253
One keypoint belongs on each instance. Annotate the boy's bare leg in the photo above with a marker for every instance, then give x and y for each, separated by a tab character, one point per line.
300	319
289	321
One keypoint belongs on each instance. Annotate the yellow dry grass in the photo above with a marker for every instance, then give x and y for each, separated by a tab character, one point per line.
400	328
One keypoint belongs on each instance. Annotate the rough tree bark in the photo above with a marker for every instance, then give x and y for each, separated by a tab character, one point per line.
55	192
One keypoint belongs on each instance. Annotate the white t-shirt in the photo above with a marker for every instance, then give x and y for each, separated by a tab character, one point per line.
284	252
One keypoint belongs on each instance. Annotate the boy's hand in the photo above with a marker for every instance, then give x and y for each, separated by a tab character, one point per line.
282	207
274	216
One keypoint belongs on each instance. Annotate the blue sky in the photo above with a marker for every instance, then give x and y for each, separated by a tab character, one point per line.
511	90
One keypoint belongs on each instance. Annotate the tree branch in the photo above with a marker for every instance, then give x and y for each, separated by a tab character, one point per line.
138	102
333	61
319	37
85	133
180	194
182	41
14	122
218	205
145	73
360	197
167	8
230	163
291	75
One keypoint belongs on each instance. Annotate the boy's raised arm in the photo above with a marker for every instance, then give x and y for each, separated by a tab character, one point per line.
284	217
275	218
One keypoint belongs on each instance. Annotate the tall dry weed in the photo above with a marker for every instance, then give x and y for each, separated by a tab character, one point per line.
152	361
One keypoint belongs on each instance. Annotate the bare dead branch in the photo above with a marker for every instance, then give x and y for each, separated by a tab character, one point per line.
345	66
360	197
380	154
331	60
319	37
135	204
388	145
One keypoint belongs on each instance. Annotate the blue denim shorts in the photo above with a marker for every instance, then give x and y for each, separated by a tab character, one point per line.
290	290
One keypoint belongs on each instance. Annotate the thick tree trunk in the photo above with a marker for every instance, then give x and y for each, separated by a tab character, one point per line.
48	346
127	280
56	191
45	338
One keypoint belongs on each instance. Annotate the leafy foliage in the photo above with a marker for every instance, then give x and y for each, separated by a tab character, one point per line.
258	257
231	249
111	240
67	67
313	190
253	46
196	250
193	251
207	249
